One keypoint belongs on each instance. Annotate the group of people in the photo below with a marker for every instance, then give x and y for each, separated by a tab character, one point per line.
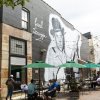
31	89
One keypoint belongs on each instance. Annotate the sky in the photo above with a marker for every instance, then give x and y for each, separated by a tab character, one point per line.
84	15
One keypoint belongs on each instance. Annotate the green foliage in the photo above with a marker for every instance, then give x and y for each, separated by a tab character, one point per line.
73	85
13	3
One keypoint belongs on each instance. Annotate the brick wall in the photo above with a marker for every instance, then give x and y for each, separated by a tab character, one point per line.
6	32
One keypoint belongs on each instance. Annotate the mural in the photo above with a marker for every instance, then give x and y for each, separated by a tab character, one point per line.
64	46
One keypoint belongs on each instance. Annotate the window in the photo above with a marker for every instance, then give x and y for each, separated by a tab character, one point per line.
17	47
25	19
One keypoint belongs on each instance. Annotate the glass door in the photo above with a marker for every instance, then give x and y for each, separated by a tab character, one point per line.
19	76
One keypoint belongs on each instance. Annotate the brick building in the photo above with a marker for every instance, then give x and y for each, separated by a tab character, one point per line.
24	37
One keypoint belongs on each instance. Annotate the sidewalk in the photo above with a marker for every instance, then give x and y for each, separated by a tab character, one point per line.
92	95
87	95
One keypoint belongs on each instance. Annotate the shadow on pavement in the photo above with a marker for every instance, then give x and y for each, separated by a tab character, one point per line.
68	96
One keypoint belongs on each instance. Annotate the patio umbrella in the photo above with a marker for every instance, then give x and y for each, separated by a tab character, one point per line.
91	65
72	64
39	64
98	64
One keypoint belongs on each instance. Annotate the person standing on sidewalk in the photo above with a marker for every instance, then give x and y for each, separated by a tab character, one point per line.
10	86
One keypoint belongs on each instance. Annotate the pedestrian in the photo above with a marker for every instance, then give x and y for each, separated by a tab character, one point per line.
10	86
98	81
24	88
32	91
94	82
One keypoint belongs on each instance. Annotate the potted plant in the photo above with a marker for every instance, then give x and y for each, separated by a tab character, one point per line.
74	88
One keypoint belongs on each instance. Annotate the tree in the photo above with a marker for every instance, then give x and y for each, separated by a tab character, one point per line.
13	3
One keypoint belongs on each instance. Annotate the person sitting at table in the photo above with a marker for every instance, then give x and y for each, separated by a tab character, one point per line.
98	81
94	82
32	91
24	88
51	92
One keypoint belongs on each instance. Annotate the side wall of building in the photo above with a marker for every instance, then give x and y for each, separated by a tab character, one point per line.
37	36
84	53
84	49
7	32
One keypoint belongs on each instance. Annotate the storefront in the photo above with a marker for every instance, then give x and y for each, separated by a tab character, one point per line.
16	52
18	58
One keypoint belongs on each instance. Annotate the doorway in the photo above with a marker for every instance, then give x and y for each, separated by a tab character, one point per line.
19	74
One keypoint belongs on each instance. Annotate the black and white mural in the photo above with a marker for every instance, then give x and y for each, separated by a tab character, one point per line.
64	46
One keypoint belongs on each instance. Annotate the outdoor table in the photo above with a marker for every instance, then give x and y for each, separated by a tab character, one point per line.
72	83
88	81
42	88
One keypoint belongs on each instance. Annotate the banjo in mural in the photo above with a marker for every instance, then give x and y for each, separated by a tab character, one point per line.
56	53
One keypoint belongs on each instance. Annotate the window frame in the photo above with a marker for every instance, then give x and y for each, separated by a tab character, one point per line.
18	55
26	21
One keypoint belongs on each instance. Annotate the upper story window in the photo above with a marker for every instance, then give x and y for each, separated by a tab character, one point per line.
25	19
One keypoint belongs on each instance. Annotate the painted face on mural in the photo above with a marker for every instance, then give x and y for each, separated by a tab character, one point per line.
57	33
59	39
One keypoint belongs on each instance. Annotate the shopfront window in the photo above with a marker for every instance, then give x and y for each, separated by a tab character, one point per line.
17	47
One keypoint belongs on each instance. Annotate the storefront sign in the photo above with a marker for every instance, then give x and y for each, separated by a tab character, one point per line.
17	61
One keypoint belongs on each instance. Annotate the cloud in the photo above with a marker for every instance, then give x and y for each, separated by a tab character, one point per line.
83	14
89	22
